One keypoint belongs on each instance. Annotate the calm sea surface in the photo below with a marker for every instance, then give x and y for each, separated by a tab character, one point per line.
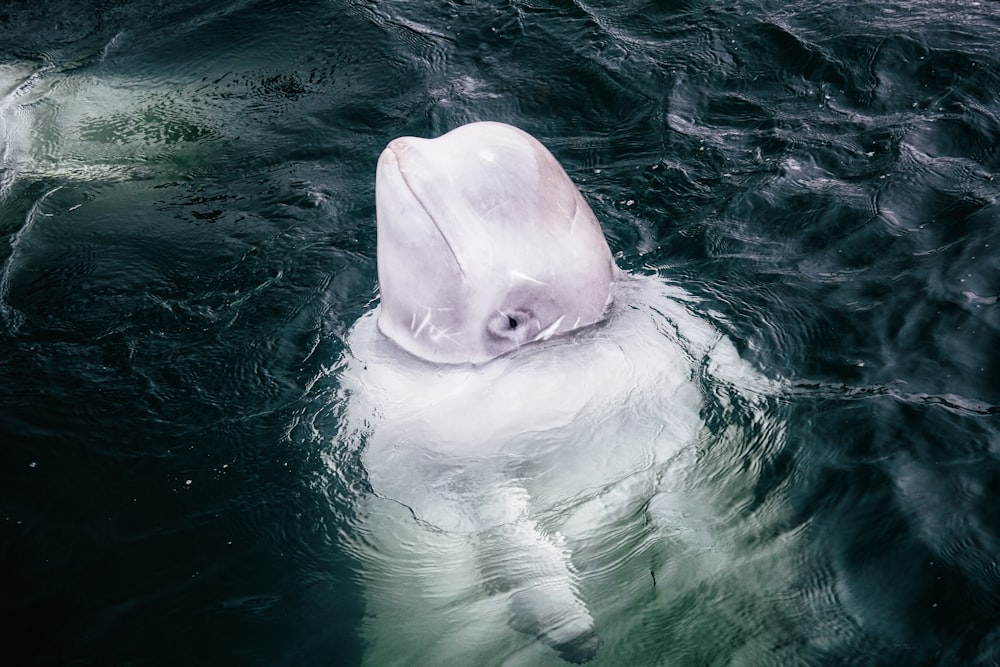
187	223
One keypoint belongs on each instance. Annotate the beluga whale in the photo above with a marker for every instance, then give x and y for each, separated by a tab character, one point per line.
484	245
525	412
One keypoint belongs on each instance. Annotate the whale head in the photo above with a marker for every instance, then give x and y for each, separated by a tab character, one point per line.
484	245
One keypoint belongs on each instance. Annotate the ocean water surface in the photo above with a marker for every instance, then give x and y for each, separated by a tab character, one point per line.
188	237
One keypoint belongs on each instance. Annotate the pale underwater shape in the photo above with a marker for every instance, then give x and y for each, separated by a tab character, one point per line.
534	493
523	510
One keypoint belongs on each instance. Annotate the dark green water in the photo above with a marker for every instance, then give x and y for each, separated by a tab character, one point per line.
187	211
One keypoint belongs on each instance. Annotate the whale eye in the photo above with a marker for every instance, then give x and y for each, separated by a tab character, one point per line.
512	326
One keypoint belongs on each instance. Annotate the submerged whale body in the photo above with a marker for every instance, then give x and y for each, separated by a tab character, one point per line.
520	403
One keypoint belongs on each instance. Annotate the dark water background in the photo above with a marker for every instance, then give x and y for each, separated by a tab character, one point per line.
187	214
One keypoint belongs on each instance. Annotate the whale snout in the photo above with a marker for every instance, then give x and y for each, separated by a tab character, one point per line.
474	227
398	147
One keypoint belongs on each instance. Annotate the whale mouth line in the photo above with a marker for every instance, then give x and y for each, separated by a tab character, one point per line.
548	331
423	206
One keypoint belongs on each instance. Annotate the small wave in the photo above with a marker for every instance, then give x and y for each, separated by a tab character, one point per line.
13	318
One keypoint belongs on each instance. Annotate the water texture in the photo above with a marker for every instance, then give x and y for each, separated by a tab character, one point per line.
187	221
